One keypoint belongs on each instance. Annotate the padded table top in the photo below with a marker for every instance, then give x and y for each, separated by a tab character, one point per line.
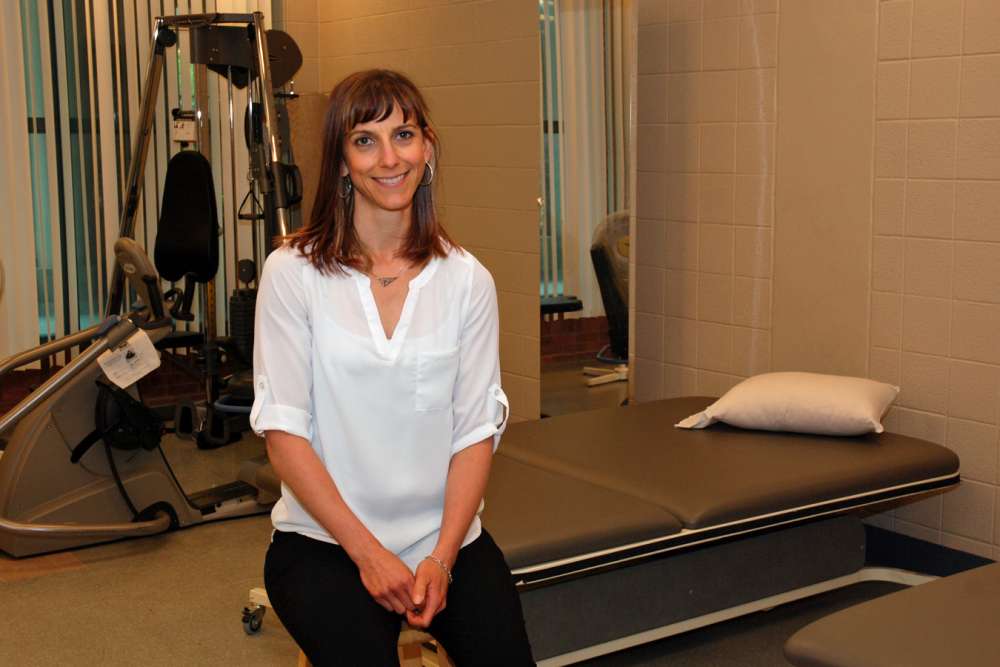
721	474
537	516
950	621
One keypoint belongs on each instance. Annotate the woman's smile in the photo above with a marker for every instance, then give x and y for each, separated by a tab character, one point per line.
390	181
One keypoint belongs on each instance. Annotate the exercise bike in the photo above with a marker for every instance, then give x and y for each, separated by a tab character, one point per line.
83	462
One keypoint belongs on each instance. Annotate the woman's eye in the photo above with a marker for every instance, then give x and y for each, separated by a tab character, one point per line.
363	141
405	134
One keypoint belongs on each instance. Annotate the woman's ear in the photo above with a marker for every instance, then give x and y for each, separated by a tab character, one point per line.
429	152
343	169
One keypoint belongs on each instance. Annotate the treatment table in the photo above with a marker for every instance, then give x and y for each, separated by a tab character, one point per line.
951	621
621	529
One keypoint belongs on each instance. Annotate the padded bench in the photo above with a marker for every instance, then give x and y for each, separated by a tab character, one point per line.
950	621
621	529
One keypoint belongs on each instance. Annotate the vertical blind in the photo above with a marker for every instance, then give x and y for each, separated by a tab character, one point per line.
550	212
84	62
585	115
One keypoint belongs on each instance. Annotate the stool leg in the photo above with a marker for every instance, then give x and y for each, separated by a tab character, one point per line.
443	659
410	655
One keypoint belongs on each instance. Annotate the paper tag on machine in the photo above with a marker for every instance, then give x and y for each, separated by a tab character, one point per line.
131	360
184	130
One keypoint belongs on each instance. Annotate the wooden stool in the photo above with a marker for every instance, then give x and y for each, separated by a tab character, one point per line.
411	650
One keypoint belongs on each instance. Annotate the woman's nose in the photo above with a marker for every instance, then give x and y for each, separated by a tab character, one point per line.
387	156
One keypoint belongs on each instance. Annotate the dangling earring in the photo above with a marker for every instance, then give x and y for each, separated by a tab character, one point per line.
347	188
430	168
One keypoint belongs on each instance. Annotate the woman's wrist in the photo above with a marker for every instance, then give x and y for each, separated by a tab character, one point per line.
362	548
441	564
447	554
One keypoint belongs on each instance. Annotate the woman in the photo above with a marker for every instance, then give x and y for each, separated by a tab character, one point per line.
378	392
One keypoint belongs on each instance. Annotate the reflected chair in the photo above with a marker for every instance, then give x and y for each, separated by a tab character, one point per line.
609	252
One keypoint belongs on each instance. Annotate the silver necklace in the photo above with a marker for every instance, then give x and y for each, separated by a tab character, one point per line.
385	281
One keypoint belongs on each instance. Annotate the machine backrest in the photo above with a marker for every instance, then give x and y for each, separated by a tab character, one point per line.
609	252
187	237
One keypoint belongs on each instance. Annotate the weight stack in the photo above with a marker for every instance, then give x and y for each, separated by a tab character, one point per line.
241	314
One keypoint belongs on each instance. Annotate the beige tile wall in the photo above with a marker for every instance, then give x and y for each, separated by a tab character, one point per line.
823	186
706	118
301	21
477	62
931	304
935	300
305	115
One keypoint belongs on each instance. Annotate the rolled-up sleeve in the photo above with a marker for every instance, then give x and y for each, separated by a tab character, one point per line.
479	403
282	359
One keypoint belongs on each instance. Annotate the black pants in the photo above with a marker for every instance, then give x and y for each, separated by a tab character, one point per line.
316	590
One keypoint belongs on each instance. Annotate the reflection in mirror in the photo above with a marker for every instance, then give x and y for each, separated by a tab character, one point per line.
588	56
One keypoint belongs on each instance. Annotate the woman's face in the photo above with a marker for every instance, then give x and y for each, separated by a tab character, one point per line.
385	161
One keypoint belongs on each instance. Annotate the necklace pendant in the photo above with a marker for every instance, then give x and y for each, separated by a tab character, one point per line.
385	282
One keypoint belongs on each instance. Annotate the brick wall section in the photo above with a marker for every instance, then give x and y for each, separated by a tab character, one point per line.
165	386
18	384
169	385
569	338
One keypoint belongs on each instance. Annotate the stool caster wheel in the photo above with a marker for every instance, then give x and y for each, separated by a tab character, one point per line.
253	618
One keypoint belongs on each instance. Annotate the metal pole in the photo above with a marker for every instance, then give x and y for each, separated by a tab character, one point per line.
49	349
201	112
66	530
232	176
273	152
133	184
205	148
253	150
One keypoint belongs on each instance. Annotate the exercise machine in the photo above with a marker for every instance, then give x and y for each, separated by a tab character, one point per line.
82	461
186	244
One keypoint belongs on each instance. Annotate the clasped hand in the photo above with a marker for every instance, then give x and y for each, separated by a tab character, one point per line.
419	597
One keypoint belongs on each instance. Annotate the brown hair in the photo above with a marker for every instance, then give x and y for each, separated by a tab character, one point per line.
329	240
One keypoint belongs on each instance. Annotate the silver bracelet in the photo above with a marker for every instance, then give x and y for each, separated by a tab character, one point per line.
440	564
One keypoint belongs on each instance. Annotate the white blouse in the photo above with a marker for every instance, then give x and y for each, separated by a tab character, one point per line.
385	415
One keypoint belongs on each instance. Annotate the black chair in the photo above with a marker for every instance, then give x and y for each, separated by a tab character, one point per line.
609	252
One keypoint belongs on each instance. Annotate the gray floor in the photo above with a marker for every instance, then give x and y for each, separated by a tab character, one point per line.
199	469
565	390
175	599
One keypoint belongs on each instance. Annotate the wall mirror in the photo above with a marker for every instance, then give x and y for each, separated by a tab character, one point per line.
586	209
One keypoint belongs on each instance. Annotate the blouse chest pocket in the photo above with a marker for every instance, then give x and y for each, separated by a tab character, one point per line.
436	373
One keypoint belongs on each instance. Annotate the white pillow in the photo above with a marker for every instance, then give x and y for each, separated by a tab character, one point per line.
801	402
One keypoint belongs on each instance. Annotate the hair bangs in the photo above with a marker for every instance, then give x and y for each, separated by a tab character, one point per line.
379	98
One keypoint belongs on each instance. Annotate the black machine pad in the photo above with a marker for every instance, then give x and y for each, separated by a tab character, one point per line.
187	239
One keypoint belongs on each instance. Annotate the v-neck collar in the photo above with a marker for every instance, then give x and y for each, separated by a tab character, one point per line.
389	348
